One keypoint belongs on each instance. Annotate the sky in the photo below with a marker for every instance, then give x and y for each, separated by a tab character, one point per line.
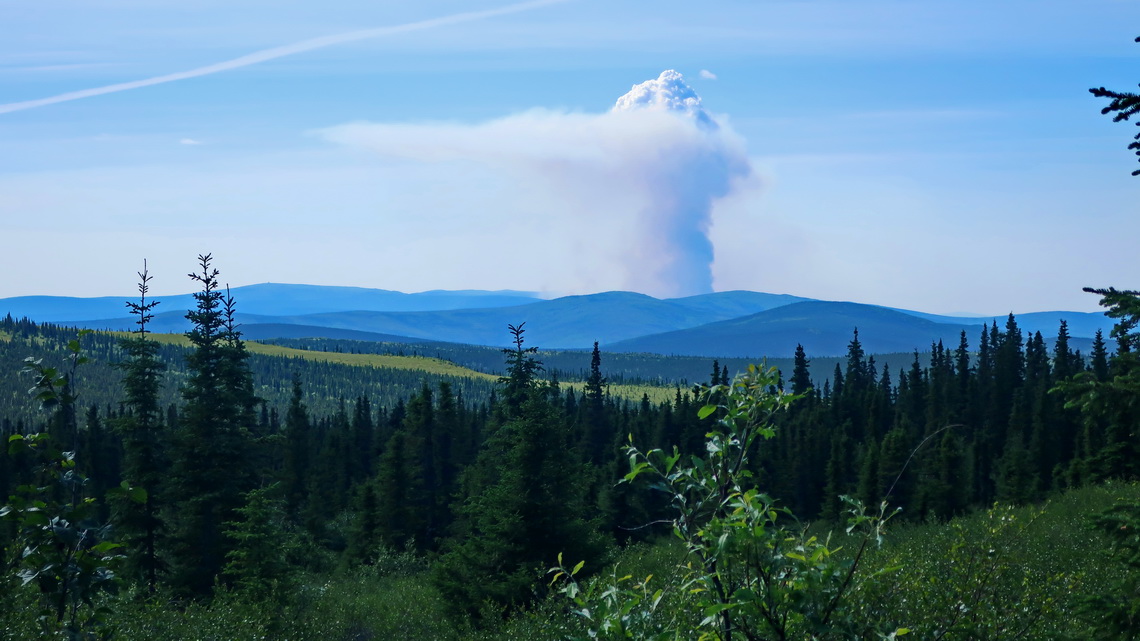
940	155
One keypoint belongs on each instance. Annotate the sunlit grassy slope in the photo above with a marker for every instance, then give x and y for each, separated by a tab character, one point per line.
417	363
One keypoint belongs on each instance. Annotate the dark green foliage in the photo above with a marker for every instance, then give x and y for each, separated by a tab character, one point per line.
258	560
1114	612
59	544
522	371
1109	401
518	518
364	540
143	438
518	511
597	436
994	575
298	446
214	442
801	378
399	490
60	547
1124	105
752	571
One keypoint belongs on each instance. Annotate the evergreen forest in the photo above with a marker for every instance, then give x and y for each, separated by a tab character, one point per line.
192	489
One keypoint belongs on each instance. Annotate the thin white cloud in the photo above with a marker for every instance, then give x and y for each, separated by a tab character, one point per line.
52	68
707	75
279	52
189	141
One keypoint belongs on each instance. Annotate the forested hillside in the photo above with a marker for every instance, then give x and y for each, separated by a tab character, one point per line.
149	479
326	381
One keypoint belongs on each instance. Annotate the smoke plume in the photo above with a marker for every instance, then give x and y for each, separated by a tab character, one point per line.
643	178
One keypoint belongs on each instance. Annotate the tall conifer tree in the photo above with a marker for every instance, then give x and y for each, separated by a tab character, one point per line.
140	524
211	472
521	507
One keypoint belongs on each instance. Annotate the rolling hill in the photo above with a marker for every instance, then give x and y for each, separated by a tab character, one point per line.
824	329
267	299
567	322
722	324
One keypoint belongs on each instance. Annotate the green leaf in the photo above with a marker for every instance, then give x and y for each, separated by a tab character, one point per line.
35	518
705	411
711	611
104	547
137	494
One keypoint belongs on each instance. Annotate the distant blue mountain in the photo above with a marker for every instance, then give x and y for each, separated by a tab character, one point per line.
261	331
567	322
823	328
267	299
1080	323
722	324
735	303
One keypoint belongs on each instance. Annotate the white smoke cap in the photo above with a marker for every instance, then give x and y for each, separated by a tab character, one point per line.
668	92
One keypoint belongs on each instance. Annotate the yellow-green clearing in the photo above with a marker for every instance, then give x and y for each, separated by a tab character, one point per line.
657	394
389	361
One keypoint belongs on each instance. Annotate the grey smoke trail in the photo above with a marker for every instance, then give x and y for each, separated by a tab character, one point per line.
279	52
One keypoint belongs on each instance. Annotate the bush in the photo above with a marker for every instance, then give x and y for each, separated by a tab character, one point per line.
752	571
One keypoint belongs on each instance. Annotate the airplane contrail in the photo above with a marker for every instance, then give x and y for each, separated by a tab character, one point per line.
279	52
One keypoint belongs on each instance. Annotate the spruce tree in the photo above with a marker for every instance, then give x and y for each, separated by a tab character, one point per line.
1111	406
297	466
801	378
428	445
363	437
1124	105
364	538
447	439
211	472
257	557
1065	362
598	436
140	524
521	506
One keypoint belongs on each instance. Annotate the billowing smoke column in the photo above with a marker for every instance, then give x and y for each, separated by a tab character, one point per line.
644	178
682	185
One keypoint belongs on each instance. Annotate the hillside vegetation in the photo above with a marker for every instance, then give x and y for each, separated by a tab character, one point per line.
203	486
1049	558
426	364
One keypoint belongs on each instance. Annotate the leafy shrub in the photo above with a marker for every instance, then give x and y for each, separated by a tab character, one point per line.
751	571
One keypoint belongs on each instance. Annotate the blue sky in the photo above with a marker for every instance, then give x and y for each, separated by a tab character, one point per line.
937	155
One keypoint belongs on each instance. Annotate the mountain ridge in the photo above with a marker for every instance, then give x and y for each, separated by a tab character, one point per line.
723	324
